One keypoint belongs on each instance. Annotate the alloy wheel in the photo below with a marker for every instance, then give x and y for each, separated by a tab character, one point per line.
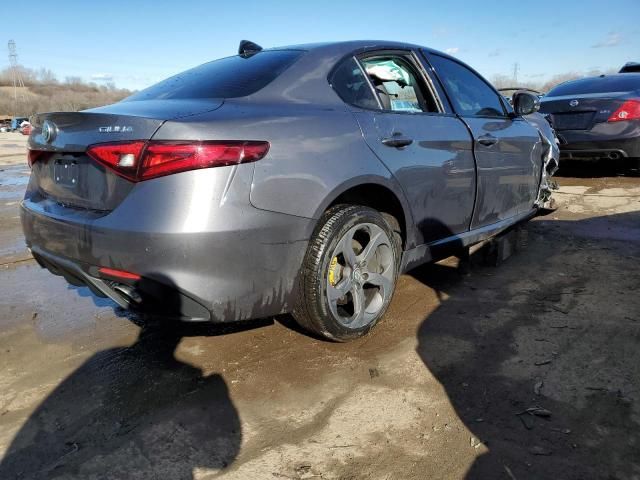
360	276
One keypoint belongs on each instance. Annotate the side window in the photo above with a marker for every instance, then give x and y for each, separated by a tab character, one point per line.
351	85
398	85
468	92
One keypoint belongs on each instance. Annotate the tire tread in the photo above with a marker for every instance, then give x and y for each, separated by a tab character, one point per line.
306	311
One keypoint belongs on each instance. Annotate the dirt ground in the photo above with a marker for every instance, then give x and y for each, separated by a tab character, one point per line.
13	148
528	370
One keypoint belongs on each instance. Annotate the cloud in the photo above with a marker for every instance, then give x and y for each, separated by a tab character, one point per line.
452	50
612	40
495	53
102	77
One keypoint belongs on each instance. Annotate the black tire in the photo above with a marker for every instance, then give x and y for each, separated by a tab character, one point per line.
633	167
312	310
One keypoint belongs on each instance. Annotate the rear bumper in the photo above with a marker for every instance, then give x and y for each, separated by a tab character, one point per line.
144	295
217	259
604	141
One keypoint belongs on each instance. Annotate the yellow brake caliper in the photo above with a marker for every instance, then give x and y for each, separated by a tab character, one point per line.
335	272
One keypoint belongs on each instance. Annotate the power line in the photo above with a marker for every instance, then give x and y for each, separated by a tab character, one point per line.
16	75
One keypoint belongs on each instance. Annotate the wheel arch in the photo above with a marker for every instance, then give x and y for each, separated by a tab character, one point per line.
379	194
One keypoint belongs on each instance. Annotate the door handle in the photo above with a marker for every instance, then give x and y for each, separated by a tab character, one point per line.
487	140
397	140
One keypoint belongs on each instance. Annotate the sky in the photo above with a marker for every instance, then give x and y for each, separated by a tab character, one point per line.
137	43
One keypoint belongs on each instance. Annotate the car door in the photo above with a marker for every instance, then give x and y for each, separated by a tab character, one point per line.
506	148
427	150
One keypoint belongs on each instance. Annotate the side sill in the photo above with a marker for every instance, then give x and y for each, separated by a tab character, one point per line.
437	250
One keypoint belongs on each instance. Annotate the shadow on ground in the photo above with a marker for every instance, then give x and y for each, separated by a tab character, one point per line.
529	366
599	168
500	343
131	412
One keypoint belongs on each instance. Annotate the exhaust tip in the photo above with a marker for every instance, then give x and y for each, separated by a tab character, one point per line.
614	156
129	293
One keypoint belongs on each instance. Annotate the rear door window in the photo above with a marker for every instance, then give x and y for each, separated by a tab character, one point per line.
351	85
397	84
229	77
470	94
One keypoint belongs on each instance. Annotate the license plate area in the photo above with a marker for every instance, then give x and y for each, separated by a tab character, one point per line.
65	172
573	121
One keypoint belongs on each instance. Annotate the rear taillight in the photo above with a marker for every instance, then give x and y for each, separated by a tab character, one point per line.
630	110
165	158
140	160
120	157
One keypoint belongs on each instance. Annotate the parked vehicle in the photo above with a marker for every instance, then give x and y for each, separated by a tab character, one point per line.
16	123
597	117
296	180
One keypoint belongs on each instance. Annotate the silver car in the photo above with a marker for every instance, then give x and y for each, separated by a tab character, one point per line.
299	180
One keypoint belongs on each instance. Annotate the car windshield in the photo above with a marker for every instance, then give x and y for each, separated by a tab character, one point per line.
230	77
613	83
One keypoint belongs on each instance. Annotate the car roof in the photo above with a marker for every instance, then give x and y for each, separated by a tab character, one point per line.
603	78
617	82
306	80
353	45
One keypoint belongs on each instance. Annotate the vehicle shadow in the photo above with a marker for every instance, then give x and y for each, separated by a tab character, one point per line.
132	412
474	345
598	169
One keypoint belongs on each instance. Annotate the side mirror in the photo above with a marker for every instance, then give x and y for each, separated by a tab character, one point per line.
525	103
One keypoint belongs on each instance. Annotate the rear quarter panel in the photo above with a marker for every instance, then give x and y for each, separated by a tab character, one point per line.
316	152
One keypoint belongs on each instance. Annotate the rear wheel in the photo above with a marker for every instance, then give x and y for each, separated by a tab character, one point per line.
349	274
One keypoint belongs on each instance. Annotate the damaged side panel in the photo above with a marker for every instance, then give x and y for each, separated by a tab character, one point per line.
550	160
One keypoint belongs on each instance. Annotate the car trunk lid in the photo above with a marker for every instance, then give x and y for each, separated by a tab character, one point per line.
65	174
581	112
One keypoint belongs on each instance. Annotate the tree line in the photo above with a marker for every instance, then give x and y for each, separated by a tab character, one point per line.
506	81
44	92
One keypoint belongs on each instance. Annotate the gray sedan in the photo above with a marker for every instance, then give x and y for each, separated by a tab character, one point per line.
299	180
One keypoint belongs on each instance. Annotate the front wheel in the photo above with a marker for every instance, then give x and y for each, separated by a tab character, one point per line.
349	273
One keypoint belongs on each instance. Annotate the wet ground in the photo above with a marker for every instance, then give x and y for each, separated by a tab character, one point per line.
526	370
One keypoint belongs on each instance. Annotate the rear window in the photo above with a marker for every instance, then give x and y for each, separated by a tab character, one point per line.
616	83
229	77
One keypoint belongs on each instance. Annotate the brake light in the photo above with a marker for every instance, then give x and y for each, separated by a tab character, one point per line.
164	159
630	110
140	160
120	157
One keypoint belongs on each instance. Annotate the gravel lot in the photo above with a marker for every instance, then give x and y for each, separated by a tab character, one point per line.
526	370
13	148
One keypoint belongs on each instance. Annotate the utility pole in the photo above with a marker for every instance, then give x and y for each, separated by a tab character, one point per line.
516	68
16	76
